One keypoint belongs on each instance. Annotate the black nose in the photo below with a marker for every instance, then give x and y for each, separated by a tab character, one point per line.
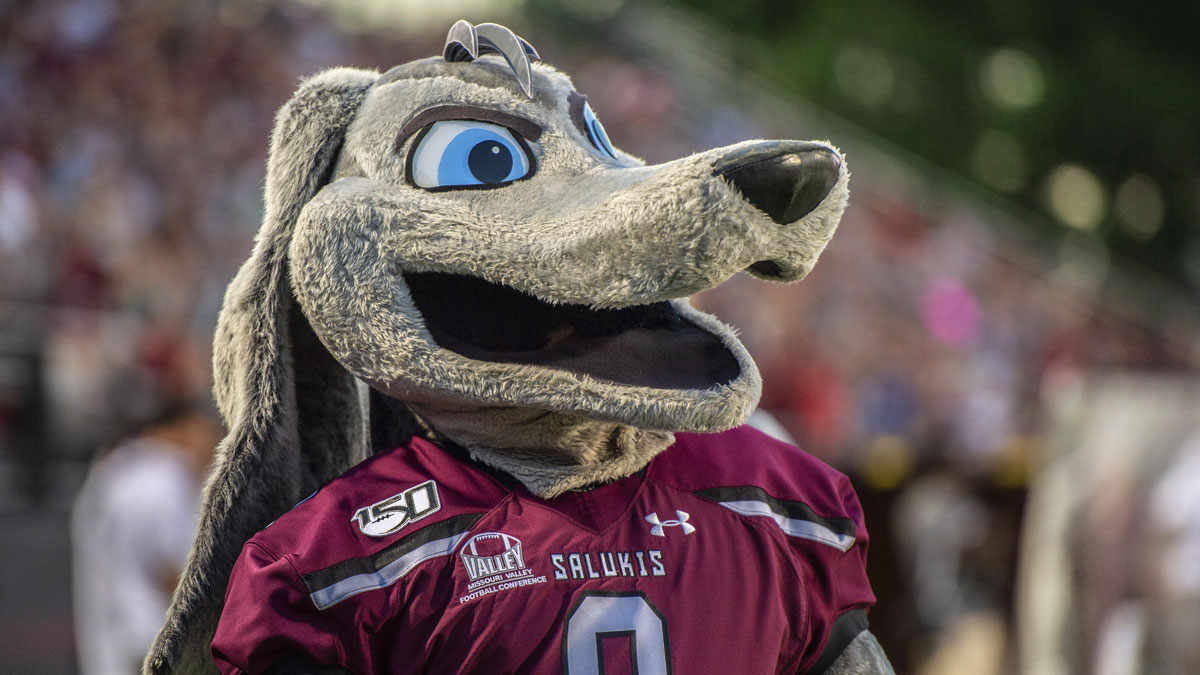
784	179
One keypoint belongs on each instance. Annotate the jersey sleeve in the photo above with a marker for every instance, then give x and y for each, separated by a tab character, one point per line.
268	614
832	549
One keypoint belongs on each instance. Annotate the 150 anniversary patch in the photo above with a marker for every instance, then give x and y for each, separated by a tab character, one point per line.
390	515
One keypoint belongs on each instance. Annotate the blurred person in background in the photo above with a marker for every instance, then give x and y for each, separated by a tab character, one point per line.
131	529
1172	605
1136	558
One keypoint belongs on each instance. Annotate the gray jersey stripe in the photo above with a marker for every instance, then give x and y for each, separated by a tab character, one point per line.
805	529
387	575
353	567
785	507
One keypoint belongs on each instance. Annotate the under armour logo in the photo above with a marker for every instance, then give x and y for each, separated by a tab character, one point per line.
660	525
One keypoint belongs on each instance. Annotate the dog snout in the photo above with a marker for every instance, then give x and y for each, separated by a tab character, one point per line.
784	179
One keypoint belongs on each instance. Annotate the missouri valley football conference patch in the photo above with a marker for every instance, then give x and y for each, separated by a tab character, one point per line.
389	516
495	561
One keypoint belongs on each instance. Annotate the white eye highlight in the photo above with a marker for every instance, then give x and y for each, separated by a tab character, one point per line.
596	133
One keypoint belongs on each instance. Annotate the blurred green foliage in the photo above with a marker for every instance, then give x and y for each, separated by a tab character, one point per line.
1121	85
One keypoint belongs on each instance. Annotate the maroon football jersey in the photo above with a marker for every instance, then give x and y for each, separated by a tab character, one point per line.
730	553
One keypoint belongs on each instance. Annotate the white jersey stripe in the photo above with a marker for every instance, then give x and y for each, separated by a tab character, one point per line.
804	529
387	575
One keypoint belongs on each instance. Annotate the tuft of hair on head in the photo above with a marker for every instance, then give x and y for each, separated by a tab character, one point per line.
467	42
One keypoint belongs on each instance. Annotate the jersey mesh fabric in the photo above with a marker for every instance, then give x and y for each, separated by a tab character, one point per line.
730	553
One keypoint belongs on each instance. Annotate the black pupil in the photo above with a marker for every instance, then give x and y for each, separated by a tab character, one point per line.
490	162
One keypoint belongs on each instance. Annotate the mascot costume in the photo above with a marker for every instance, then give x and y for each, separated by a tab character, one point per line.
464	325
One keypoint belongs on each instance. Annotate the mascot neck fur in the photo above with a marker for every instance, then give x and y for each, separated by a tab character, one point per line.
548	452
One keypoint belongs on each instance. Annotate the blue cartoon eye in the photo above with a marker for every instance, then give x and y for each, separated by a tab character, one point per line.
464	153
596	132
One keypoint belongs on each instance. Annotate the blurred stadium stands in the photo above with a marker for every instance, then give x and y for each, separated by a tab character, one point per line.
920	357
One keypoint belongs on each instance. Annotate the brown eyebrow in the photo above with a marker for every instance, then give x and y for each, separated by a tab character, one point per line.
527	129
575	103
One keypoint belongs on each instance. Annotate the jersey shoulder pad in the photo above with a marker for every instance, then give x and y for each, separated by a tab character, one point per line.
385	497
754	474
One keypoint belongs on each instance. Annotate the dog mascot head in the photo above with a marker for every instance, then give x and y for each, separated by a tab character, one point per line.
454	248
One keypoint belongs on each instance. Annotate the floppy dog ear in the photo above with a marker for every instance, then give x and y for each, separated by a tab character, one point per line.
293	413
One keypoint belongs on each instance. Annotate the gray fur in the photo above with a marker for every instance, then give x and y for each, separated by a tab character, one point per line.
284	439
321	305
367	229
863	656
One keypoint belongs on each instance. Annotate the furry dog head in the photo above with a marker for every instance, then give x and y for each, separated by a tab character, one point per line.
460	234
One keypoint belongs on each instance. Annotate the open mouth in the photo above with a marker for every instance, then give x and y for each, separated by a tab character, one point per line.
643	345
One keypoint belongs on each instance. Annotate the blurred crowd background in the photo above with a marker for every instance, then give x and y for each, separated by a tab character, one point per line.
1000	346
